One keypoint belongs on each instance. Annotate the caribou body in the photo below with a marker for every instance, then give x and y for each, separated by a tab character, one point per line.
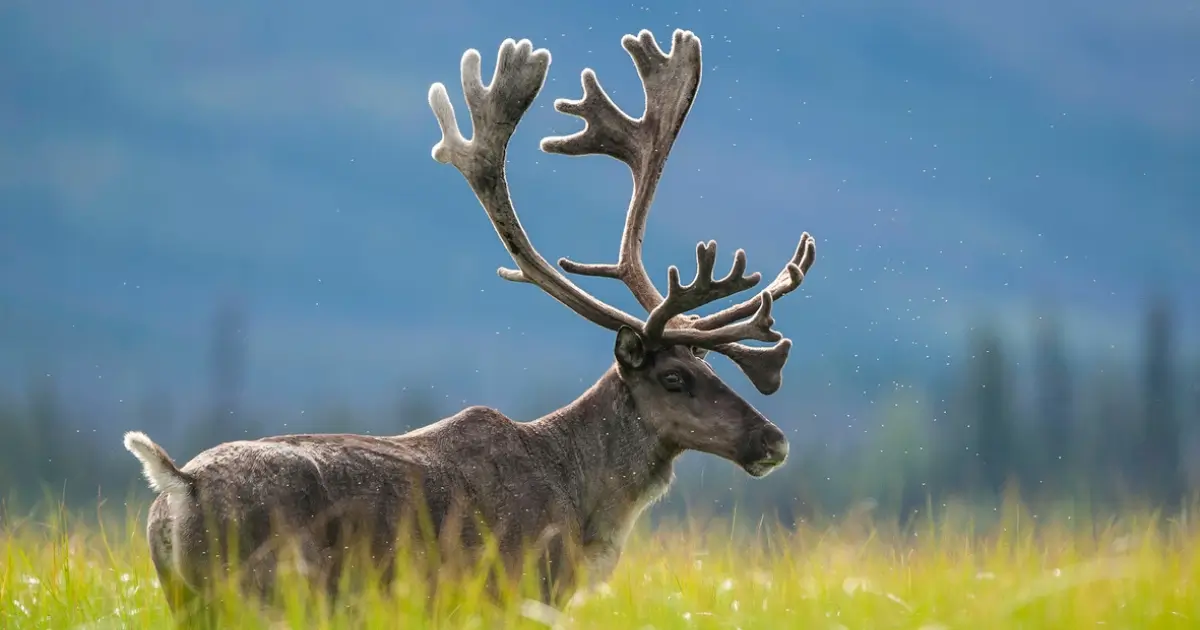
569	485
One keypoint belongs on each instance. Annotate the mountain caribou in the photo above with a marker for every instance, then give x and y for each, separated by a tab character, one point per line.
570	484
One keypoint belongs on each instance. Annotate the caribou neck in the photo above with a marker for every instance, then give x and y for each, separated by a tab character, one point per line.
617	462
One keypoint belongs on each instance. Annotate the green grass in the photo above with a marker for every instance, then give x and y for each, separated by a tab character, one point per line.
1134	572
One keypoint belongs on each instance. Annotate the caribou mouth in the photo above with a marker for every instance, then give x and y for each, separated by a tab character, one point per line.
763	467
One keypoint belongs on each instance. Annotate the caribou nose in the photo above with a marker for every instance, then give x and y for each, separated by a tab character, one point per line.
767	449
774	445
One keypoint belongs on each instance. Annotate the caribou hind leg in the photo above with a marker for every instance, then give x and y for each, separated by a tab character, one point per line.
190	607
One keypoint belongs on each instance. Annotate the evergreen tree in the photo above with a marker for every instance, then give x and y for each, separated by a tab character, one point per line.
48	429
18	453
1160	448
1054	407
227	371
989	382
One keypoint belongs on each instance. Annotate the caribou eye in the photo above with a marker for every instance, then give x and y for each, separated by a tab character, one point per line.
673	381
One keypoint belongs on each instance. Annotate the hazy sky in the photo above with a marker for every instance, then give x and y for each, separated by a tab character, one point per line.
955	160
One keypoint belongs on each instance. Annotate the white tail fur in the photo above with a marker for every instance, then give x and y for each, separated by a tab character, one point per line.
159	470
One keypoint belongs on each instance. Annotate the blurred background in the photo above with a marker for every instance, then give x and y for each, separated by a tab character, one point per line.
221	224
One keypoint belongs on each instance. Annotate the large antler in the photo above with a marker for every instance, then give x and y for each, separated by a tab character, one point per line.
787	281
670	82
495	111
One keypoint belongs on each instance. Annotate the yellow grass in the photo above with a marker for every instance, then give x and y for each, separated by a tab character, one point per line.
1135	572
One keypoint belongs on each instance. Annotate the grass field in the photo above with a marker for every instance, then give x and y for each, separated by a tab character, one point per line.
1135	572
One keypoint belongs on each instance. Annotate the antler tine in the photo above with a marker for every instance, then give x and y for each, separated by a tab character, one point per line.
496	109
721	331
757	327
762	365
788	280
670	81
705	289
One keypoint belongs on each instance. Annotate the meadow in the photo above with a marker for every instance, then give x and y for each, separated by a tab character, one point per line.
943	572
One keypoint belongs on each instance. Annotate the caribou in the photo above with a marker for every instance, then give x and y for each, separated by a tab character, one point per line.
569	485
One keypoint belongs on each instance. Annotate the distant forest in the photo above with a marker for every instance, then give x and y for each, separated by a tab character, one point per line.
1066	436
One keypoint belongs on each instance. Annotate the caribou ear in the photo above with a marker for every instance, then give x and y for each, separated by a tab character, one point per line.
630	349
